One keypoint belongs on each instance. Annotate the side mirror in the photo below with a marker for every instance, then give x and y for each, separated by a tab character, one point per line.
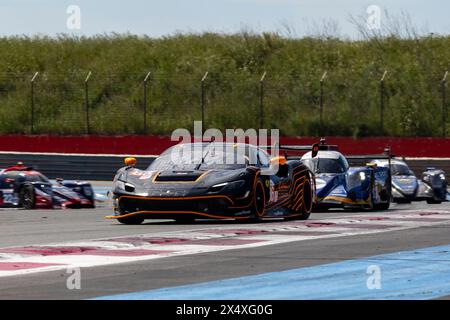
280	160
130	162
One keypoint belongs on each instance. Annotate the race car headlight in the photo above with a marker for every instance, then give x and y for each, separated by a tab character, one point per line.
227	186
362	175
218	187
358	180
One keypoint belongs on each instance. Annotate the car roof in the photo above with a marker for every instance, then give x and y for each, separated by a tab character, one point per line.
386	162
20	172
217	143
324	155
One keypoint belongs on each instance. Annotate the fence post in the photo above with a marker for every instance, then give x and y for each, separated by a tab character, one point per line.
321	101
444	105
86	101
32	101
261	100
382	102
145	101
202	98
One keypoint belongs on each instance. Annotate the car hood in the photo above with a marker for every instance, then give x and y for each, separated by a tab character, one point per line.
406	184
179	183
323	179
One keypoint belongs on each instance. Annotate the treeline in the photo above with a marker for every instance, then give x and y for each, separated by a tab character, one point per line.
291	90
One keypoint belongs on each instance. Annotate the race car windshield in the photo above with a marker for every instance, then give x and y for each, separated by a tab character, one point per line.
330	166
187	158
400	170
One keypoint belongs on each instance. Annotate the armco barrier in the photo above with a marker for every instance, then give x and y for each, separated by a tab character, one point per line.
77	167
103	167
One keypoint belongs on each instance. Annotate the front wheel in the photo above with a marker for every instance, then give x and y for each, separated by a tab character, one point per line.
382	206
259	201
432	201
385	195
27	197
402	201
131	220
185	220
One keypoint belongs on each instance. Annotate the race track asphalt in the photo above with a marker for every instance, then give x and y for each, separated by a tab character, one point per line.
41	227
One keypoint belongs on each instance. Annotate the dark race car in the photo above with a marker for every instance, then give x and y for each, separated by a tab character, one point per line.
22	186
406	187
213	180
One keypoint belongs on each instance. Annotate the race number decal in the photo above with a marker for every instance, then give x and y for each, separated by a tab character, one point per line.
8	197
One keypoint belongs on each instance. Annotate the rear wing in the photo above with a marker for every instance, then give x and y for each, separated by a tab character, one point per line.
363	159
323	146
315	148
289	149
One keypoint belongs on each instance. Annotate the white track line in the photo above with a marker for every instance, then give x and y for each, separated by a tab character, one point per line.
214	239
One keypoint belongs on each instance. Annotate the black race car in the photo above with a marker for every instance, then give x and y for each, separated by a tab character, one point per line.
21	186
213	180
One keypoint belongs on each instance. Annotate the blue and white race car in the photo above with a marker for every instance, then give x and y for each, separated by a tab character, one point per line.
406	187
340	186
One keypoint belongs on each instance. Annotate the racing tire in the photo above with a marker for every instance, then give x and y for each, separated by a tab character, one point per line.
303	211
382	206
258	207
131	220
402	201
371	206
385	195
27	197
184	220
432	201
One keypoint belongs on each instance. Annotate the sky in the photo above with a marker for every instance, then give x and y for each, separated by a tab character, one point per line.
166	17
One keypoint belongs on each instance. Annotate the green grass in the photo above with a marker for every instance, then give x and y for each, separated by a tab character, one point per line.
235	64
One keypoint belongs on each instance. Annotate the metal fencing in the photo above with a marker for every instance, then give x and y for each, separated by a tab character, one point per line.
321	103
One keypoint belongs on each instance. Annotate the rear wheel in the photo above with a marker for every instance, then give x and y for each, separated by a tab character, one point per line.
432	201
27	197
302	204
131	220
